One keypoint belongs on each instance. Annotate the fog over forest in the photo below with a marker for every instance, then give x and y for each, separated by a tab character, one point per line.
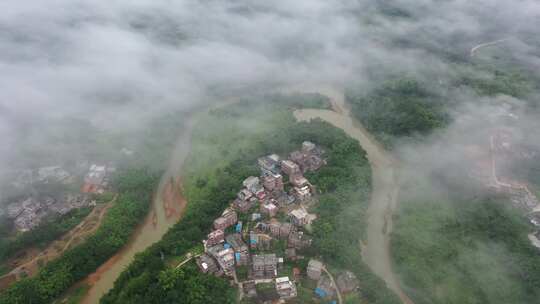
434	81
120	63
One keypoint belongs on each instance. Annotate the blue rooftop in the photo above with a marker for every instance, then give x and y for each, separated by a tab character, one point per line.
321	293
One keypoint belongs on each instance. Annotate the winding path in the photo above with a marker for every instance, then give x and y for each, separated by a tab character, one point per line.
338	292
376	251
476	48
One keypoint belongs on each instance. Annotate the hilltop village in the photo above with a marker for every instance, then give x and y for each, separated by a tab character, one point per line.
260	236
28	211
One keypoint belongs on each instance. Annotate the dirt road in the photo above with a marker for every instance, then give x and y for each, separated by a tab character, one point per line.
476	48
338	293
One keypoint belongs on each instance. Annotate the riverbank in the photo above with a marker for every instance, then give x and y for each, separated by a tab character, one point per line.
225	147
167	208
376	246
134	187
172	204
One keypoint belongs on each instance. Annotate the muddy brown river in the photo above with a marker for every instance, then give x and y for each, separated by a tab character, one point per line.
376	250
152	230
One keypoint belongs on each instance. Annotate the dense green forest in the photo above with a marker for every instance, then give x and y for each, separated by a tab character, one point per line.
226	144
413	107
398	108
465	251
135	188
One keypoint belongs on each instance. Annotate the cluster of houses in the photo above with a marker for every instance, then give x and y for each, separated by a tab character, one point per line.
29	212
97	179
346	281
506	151
274	205
43	175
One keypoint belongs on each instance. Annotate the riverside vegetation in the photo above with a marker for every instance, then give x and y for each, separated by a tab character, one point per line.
226	144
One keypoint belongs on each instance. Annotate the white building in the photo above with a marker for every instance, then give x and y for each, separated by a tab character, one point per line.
285	288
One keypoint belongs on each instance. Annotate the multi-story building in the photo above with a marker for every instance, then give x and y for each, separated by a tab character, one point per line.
290	168
302	194
299	180
215	237
242	205
244	194
252	183
207	264
269	164
299	217
279	229
309	147
241	252
273	182
269	209
224	256
285	288
225	259
259	241
228	219
298	240
265	265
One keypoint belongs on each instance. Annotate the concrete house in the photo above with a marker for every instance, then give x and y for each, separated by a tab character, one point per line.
95	180
273	182
314	269
308	158
265	265
207	264
215	237
298	240
269	209
259	241
285	288
244	194
299	217
269	164
280	230
299	180
290	168
241	252
242	205
347	282
302	194
228	219
225	259
252	183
